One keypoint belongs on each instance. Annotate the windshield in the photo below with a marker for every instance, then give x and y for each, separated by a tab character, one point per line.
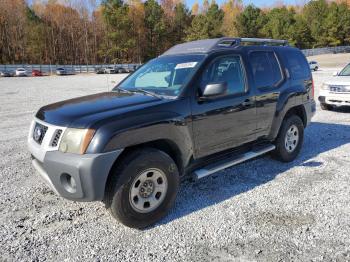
164	75
345	71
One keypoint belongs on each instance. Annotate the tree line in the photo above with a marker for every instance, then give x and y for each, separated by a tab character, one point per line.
134	31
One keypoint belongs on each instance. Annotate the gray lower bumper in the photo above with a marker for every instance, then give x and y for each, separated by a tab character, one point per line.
77	177
310	109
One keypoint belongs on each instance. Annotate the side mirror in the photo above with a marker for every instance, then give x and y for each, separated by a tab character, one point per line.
335	73
214	90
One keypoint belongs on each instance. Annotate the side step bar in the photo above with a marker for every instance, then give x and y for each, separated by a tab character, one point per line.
213	168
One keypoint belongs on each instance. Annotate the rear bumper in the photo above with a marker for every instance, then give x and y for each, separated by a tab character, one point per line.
76	177
310	109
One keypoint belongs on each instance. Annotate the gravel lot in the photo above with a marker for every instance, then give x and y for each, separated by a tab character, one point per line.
262	210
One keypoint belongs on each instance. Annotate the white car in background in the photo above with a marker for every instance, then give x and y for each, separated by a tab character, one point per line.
110	70
336	92
21	72
313	65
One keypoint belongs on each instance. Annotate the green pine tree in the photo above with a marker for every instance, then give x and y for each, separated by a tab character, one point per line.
155	29
315	13
118	40
206	25
250	22
279	22
299	33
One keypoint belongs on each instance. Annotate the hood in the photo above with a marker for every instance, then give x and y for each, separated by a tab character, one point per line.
339	80
84	111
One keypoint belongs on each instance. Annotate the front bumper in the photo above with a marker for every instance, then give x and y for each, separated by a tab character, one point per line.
73	176
333	98
76	177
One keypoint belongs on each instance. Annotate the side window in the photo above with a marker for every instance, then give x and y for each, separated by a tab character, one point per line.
227	69
297	65
275	68
266	69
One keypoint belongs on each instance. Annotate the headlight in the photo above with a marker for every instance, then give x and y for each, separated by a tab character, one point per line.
325	87
76	140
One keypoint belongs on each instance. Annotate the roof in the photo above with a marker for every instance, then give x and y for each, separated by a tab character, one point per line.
208	45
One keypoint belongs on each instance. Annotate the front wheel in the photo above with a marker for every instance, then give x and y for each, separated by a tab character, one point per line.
289	139
143	188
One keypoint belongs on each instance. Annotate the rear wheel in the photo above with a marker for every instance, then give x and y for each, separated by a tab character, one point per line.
316	68
289	139
143	188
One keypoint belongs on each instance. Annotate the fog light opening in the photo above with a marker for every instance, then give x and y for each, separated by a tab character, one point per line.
68	183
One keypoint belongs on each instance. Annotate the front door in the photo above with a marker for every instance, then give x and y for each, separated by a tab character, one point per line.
228	121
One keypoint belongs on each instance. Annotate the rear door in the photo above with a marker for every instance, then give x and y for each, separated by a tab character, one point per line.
269	80
300	75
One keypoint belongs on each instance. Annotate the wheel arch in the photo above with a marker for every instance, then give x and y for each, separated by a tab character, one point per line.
298	110
165	145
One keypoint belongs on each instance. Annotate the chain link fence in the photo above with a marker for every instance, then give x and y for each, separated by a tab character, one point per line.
51	69
326	50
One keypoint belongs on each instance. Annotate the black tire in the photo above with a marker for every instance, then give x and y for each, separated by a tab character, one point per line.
281	152
326	107
316	68
118	194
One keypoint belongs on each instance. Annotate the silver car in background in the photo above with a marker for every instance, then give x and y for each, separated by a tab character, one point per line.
64	71
7	73
313	65
21	72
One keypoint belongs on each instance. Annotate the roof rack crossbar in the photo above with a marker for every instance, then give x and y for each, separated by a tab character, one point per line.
264	40
228	42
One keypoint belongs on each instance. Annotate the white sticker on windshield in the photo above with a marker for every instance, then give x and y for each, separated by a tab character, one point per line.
186	65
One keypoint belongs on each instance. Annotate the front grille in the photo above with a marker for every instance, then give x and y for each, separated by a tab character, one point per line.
39	133
339	89
56	137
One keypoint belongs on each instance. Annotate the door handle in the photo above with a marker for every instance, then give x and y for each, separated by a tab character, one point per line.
246	102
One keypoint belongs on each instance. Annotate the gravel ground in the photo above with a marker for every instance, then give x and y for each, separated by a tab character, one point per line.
262	210
331	60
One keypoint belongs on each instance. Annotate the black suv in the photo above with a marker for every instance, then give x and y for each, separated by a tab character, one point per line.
200	107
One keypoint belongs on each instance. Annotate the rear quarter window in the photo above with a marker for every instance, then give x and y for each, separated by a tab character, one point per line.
297	65
266	69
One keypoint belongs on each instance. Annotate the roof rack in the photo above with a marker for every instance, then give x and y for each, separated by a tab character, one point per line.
207	45
239	41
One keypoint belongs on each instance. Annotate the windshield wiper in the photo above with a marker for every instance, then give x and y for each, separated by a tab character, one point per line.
145	92
123	90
